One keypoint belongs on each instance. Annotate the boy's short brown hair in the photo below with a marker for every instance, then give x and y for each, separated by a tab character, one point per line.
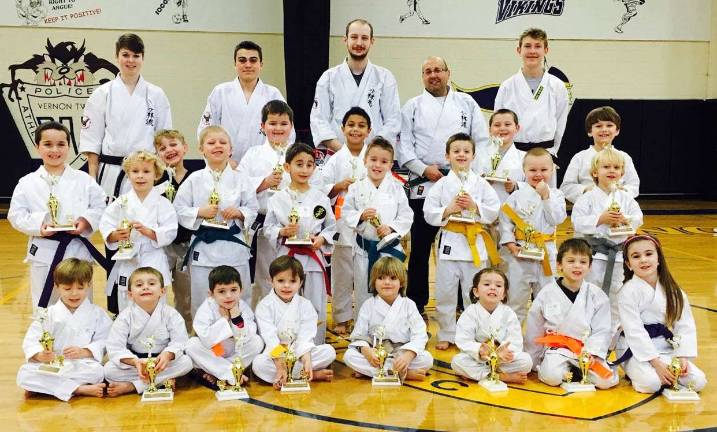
496	270
503	111
534	33
284	263
145	270
578	246
168	134
381	143
388	266
460	136
72	270
603	113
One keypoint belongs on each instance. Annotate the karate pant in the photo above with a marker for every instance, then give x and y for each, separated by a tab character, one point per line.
181	285
422	237
265	254
466	365
315	292
356	361
221	366
596	276
178	367
200	284
342	284
526	279
84	371
362	291
556	362
38	274
321	357
645	380
449	275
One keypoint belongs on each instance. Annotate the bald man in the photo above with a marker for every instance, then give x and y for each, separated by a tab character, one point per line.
427	122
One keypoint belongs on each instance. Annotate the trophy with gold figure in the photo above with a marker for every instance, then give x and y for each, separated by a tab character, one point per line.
494	175
125	248
584	361
530	250
152	392
365	200
466	216
236	391
279	167
295	218
292	384
53	207
214	199
678	392
383	377
492	382
620	229
170	191
57	365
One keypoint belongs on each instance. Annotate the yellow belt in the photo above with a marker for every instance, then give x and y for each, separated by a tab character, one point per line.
470	231
538	238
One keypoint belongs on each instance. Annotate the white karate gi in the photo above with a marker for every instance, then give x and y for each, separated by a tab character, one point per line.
156	213
455	263
336	92
640	304
87	327
306	203
526	276
510	165
404	328
227	107
211	329
131	328
427	124
475	327
578	177
390	202
235	190
553	312
117	123
585	213
340	166
274	317
78	195
540	120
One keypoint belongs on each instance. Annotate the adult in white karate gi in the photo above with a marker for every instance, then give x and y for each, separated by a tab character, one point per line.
355	82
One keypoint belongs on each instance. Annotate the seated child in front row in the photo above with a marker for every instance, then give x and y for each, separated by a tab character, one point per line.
405	334
284	317
654	311
488	317
146	318
567	316
80	330
223	321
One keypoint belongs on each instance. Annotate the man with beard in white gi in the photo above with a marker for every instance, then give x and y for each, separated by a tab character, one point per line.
236	105
428	120
355	82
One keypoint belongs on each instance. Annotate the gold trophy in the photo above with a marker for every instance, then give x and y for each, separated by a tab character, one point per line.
53	207
620	229
466	216
389	239
584	360
530	249
235	391
57	365
279	167
170	191
215	199
294	218
292	385
383	378
678	392
125	248
494	175
152	392
492	382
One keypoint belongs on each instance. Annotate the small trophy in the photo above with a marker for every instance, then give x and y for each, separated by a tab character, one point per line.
53	206
387	240
153	393
678	392
125	248
57	366
584	362
279	167
236	391
354	169
621	229
494	175
294	218
530	249
383	378
215	199
492	382
170	191
292	385
466	216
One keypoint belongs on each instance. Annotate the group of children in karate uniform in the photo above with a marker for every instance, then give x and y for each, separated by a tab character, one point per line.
348	205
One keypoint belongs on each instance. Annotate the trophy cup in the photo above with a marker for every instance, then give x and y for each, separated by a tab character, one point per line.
387	240
236	391
170	191
125	248
492	382
383	378
279	167
215	199
292	385
494	175
152	393
57	365
584	362
678	392
530	250
466	216
294	218
621	229
53	207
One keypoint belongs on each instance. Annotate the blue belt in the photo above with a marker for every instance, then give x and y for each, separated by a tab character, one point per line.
209	235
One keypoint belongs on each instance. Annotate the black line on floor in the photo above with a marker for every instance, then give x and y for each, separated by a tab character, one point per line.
704	308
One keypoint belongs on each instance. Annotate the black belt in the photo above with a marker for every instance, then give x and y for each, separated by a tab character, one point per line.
209	235
114	160
420	180
524	146
654	331
139	354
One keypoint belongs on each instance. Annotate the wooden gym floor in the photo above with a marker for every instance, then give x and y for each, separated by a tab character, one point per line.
442	402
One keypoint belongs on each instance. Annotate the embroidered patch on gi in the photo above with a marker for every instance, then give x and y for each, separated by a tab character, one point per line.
123	280
33	249
86	122
195	256
206	118
419	190
446	250
319	212
150	117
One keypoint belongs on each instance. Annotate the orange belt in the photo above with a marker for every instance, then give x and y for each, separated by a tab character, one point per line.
539	240
470	231
575	346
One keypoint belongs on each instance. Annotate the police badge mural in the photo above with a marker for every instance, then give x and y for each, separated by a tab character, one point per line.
54	85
